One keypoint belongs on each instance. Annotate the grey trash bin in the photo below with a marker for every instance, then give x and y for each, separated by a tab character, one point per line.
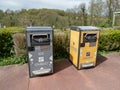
39	50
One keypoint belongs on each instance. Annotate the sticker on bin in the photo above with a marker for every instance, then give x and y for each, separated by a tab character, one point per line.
42	71
40	59
30	55
51	58
87	65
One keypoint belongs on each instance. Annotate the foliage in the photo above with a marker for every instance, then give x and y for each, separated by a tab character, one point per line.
94	14
19	43
103	52
6	42
61	44
109	40
12	29
13	60
104	24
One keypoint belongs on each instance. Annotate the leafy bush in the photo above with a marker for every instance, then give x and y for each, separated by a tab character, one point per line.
6	42
103	24
19	43
109	40
61	44
12	29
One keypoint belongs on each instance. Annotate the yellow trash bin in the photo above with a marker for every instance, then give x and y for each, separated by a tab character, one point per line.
83	46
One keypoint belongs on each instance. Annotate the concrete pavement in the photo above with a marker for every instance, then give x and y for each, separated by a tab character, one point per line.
105	76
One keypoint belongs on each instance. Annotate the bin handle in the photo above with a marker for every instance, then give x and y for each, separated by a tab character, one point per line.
42	40
88	39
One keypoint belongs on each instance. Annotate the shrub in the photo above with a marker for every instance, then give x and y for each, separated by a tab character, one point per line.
13	60
12	29
19	43
109	40
103	24
6	42
61	44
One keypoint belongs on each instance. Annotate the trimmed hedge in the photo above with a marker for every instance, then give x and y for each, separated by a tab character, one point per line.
61	44
6	41
5	44
12	29
109	40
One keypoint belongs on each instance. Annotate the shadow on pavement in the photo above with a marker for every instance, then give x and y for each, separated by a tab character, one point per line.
61	65
100	59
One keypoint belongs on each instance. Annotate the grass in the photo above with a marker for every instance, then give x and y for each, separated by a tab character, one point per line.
13	60
107	52
12	29
22	59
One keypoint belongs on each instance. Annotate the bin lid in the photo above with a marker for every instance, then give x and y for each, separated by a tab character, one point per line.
84	28
39	28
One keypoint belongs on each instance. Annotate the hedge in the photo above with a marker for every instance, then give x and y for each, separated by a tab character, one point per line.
61	44
109	40
6	41
5	44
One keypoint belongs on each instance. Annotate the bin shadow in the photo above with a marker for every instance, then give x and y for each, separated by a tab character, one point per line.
61	65
100	59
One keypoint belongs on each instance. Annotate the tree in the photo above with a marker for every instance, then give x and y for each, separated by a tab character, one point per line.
83	12
112	6
96	11
24	18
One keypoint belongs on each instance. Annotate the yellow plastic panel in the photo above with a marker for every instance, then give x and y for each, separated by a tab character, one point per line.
83	50
74	41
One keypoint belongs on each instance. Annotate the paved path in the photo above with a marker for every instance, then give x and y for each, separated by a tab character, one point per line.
105	76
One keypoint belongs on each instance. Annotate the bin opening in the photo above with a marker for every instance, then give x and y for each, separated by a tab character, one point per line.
39	36
90	37
40	39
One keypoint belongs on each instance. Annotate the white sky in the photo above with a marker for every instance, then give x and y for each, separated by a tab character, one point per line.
28	4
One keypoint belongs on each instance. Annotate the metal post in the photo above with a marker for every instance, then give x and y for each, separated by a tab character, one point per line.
114	14
113	23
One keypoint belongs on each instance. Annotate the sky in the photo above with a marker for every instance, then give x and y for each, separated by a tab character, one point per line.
29	4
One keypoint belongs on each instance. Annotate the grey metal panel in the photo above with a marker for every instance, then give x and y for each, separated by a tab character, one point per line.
84	28
40	59
38	28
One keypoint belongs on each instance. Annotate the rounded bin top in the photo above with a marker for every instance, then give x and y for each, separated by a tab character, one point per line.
84	28
39	28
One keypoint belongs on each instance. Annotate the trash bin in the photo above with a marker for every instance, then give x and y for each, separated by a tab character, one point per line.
83	46
39	50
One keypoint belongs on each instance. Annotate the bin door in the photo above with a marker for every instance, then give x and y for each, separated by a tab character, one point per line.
88	48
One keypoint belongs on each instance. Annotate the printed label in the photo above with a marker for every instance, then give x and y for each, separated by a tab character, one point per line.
40	59
51	58
30	55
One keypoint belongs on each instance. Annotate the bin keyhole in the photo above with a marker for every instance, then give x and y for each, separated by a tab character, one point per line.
73	43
